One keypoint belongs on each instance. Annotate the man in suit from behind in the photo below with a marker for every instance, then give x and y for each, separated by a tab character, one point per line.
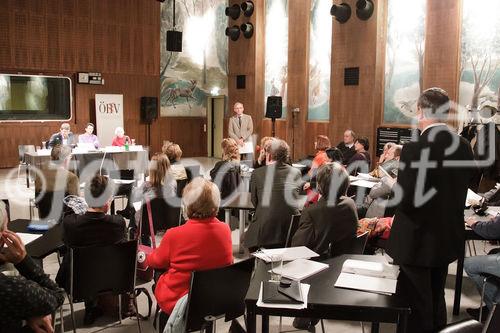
240	125
274	193
428	229
63	137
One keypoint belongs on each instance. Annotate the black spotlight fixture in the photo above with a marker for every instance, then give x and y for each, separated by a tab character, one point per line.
247	8
233	32
342	12
233	11
247	29
364	9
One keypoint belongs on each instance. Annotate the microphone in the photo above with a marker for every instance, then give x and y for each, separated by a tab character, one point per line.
102	162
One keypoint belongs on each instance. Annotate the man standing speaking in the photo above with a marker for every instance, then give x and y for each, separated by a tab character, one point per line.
240	125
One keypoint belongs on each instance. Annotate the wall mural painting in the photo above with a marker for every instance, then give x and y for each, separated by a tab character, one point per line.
187	77
320	51
276	58
480	61
404	59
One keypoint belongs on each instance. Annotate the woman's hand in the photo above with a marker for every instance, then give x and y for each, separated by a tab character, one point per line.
471	221
15	251
41	324
307	186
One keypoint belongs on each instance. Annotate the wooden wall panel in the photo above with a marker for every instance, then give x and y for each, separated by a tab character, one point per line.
120	39
312	130
188	132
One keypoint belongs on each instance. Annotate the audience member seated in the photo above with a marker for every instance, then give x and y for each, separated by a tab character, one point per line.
160	185
360	162
88	136
202	243
274	198
174	154
63	137
120	139
334	155
226	173
376	201
54	177
26	293
333	218
477	266
94	228
261	152
389	161
347	146
320	145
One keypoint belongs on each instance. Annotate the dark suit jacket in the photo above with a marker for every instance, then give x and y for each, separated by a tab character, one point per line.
431	234
227	176
90	229
272	217
56	138
321	224
348	153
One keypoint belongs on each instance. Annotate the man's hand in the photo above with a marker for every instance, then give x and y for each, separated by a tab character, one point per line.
15	251
41	324
241	142
471	221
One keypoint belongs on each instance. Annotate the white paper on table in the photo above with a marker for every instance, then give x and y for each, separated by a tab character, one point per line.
367	176
247	148
298	166
472	198
366	283
371	268
27	238
44	152
113	149
363	183
285	254
124	181
300	269
305	292
135	148
493	210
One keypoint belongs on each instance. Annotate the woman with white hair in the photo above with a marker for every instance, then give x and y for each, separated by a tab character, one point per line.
32	296
120	138
202	243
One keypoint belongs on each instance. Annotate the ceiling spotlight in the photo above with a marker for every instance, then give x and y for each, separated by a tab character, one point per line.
247	8
233	11
233	32
364	9
247	29
342	12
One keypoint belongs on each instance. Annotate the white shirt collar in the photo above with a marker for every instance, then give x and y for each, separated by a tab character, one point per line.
433	125
350	145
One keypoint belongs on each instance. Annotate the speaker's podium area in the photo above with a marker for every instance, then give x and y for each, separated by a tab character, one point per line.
158	99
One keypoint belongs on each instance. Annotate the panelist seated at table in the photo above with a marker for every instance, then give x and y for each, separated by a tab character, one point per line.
274	191
120	139
332	219
63	137
27	295
94	228
88	136
54	177
477	266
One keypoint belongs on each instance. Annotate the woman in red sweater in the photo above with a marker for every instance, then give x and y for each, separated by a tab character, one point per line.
120	138
202	243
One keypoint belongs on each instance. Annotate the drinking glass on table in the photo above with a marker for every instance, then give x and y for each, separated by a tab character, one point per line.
44	144
133	142
276	267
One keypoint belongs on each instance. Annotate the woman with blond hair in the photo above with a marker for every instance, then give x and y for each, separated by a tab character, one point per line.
174	153
261	151
202	243
226	173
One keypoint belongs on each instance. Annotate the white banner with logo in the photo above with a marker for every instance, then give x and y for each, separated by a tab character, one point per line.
108	115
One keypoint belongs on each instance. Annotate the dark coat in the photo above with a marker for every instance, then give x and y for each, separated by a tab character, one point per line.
431	233
347	152
271	221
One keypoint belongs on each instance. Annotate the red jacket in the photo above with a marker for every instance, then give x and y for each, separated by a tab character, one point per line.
120	142
196	245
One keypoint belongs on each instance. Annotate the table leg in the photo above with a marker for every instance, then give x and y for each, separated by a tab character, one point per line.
227	216
402	323
27	175
458	281
375	327
112	206
241	228
265	324
251	319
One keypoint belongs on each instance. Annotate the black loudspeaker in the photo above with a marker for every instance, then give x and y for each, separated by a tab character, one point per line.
149	109
273	107
174	41
240	81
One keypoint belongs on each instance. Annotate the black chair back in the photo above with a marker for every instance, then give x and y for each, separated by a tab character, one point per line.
350	245
50	204
165	214
126	174
218	292
294	225
101	269
493	322
192	171
181	183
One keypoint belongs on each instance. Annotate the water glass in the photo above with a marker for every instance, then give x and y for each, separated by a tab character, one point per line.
276	267
133	142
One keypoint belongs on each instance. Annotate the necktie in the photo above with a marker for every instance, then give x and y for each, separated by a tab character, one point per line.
239	120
